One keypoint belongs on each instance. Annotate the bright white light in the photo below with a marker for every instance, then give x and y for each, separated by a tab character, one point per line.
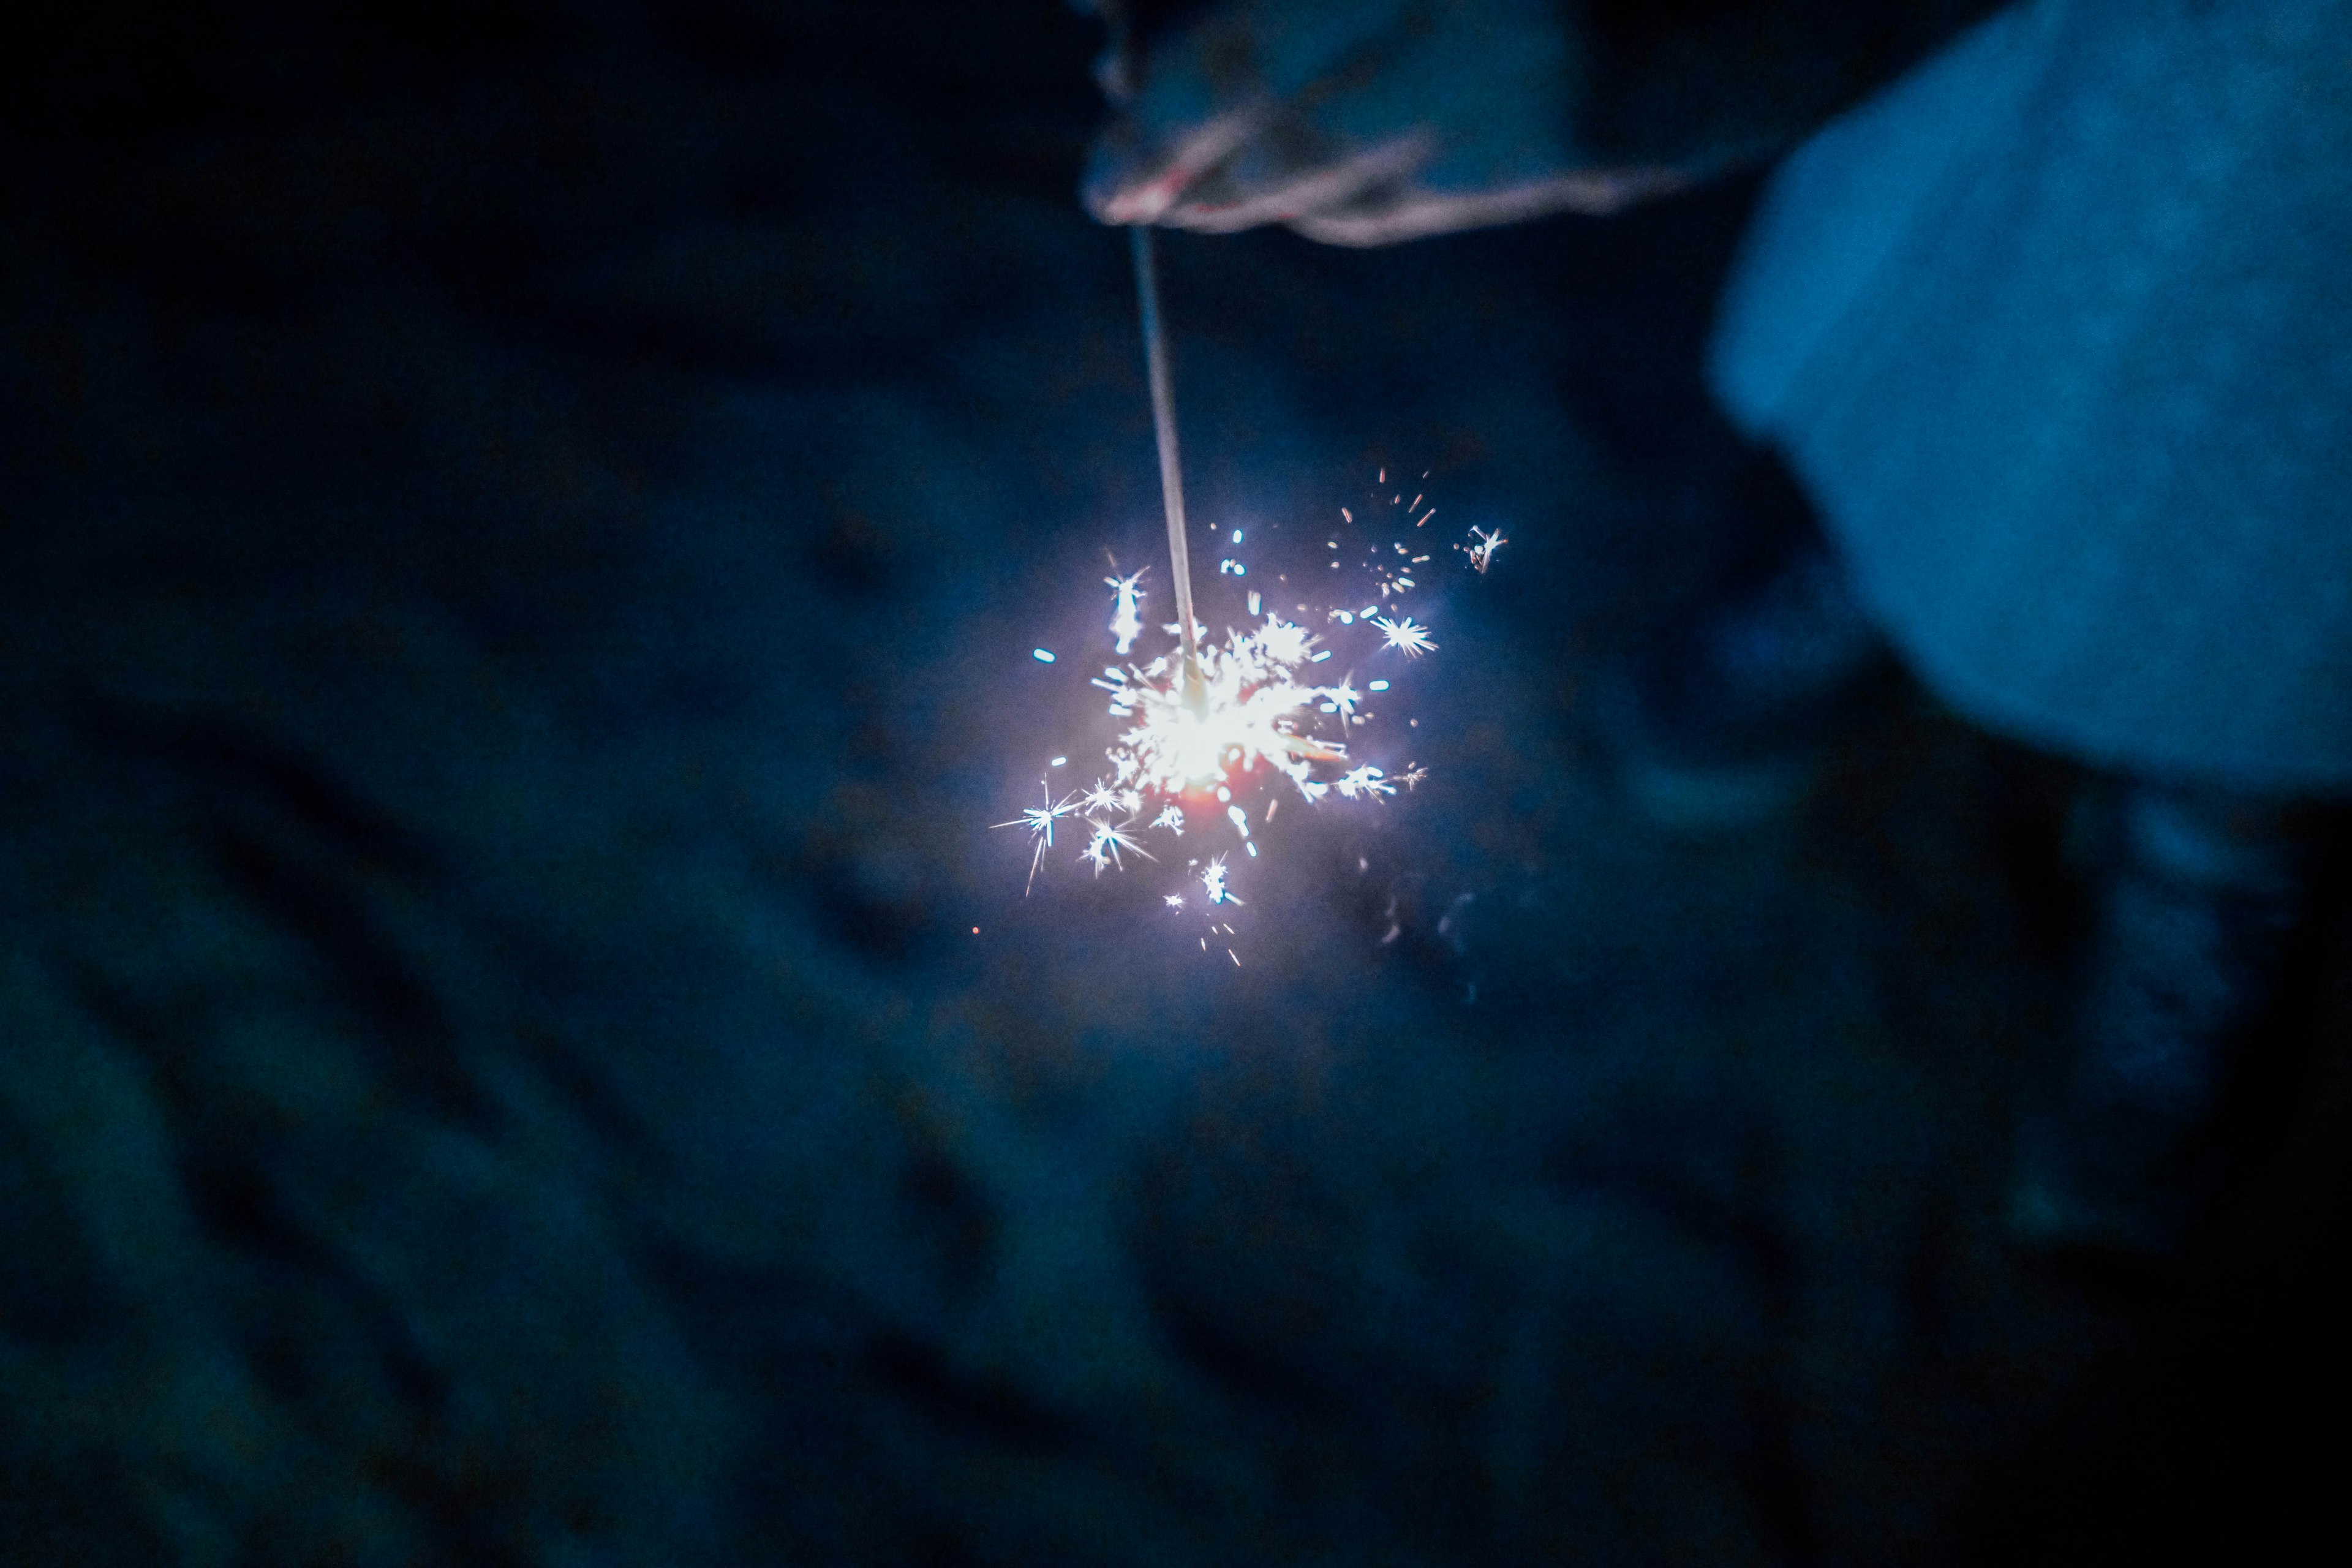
1407	638
1126	620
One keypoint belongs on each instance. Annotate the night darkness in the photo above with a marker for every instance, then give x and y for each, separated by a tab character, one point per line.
522	529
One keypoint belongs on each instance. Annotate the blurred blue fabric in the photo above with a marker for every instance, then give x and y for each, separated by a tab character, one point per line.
2055	330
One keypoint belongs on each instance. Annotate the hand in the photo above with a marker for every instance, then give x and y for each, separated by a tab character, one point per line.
1358	122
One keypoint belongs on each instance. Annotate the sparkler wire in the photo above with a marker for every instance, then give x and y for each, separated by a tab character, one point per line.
1163	424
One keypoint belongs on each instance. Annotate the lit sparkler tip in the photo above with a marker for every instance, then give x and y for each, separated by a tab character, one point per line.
1212	726
1404	635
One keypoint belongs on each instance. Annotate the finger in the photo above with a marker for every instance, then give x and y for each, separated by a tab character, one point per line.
1131	179
1262	185
1209	94
1398	212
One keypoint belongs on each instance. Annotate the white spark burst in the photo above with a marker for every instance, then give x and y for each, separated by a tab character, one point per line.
1404	635
1104	846
1101	797
1482	555
1126	621
1242	707
1039	820
1209	739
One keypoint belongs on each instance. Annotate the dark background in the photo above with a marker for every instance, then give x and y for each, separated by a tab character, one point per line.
523	526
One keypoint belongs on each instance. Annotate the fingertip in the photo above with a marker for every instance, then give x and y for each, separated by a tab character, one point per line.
1102	189
1119	187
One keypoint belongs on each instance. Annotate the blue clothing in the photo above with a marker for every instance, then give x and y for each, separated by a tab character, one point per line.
2057	331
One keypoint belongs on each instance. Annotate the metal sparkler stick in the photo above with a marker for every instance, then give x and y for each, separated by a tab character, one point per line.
1163	424
1119	85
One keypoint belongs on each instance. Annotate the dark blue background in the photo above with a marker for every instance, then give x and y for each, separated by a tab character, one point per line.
524	526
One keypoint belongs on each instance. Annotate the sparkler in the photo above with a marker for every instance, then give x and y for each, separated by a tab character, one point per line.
1163	429
1209	726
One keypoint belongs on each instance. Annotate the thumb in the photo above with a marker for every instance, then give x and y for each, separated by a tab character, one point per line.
1133	177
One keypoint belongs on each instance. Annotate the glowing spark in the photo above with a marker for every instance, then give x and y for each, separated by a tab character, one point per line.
1283	642
1103	849
1213	883
1040	821
1126	624
1407	638
1366	781
1173	900
1042	654
1482	555
1170	818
